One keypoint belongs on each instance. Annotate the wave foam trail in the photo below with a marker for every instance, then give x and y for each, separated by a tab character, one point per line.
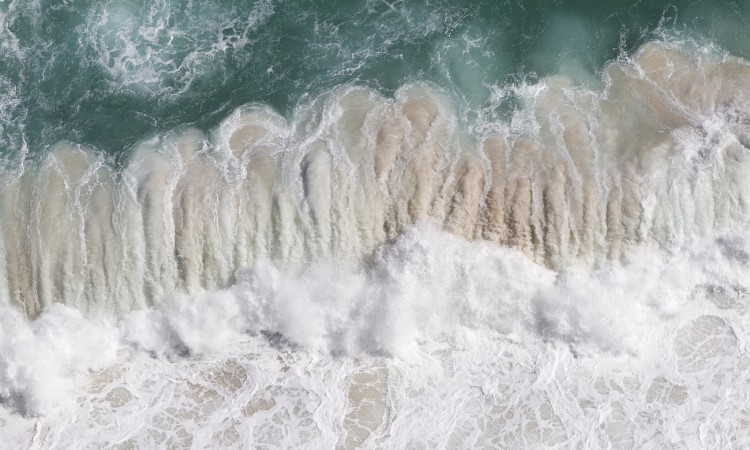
491	347
657	156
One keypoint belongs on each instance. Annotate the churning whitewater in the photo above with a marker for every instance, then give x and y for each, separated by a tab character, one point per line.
405	241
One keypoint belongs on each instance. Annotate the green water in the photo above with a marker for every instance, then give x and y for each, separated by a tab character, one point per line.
111	73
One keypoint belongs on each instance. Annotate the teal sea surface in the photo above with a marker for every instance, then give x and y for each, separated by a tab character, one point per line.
108	74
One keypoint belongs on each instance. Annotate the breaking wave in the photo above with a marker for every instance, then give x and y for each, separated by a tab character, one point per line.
443	226
656	155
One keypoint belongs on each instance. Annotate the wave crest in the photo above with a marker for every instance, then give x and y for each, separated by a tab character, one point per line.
657	156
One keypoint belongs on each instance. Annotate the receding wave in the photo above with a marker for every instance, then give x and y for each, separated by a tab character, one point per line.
657	155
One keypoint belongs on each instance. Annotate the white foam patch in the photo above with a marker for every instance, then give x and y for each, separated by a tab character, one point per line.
425	286
437	340
41	361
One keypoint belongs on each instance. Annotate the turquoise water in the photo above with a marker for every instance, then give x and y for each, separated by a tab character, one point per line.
108	74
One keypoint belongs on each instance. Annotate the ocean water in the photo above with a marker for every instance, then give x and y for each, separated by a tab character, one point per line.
374	224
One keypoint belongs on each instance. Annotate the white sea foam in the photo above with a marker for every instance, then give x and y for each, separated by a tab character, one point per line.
441	342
